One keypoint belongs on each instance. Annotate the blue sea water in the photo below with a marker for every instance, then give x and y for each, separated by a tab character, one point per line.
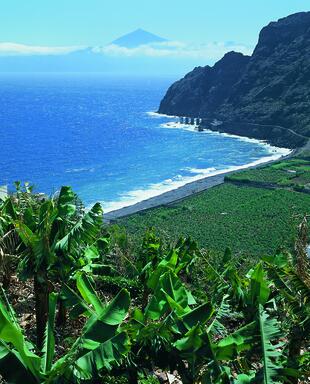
97	134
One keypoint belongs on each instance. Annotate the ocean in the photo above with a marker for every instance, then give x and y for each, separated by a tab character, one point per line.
102	136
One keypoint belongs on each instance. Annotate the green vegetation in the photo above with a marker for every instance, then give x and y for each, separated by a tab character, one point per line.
111	315
293	173
251	221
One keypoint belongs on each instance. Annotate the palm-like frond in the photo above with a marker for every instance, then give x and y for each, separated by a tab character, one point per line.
269	330
223	312
101	344
8	244
84	231
295	293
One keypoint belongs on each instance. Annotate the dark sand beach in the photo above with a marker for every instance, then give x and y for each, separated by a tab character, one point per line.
180	193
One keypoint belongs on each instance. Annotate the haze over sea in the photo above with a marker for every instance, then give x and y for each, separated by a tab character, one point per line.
99	135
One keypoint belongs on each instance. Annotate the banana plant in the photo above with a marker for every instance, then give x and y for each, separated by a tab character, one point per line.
56	241
171	312
102	343
211	361
9	240
157	260
261	335
293	297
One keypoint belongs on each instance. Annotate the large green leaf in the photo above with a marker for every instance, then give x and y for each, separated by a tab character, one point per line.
259	290
175	261
223	311
10	333
241	340
12	367
198	350
49	340
167	264
103	326
88	293
269	330
258	333
170	295
200	315
192	340
28	237
101	343
293	289
104	356
86	230
66	202
244	379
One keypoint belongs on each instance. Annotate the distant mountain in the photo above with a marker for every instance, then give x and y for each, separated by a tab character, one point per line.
137	38
92	61
99	59
266	95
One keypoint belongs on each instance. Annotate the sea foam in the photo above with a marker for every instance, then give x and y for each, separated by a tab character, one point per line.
160	115
156	189
153	190
193	128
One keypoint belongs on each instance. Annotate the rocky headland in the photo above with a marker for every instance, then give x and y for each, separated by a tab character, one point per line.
264	96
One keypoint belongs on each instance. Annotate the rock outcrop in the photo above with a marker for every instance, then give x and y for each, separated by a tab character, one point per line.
269	88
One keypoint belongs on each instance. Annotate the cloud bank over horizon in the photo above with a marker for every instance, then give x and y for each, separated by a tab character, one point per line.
167	49
176	49
16	49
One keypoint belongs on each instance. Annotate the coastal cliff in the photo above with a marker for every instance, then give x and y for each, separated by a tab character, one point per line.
266	95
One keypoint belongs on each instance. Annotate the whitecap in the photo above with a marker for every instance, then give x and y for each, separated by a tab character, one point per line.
193	128
156	189
78	170
160	115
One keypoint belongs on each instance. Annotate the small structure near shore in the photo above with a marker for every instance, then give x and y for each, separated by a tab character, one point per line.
190	120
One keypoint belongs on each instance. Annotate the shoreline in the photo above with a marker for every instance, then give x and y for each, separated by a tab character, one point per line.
182	192
195	186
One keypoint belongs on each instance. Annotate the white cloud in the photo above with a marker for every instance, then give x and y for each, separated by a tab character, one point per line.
7	49
172	49
177	49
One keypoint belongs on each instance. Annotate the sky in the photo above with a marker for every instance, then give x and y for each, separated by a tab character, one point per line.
198	33
98	22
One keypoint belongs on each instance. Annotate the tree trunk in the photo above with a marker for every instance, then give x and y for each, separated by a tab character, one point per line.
62	313
6	281
41	293
145	294
294	349
132	376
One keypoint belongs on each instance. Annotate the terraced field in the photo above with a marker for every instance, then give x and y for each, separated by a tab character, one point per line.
293	173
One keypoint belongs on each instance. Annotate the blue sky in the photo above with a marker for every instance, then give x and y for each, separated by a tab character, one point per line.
97	22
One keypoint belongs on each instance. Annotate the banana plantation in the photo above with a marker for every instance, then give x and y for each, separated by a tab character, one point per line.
91	309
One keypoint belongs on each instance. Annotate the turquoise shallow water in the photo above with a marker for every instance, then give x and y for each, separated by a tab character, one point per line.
97	134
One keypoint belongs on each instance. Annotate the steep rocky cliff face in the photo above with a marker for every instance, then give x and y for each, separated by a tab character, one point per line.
272	87
203	90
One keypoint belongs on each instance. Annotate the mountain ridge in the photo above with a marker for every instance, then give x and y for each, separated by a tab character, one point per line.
268	88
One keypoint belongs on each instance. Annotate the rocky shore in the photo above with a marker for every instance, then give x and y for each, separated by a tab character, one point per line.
264	96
